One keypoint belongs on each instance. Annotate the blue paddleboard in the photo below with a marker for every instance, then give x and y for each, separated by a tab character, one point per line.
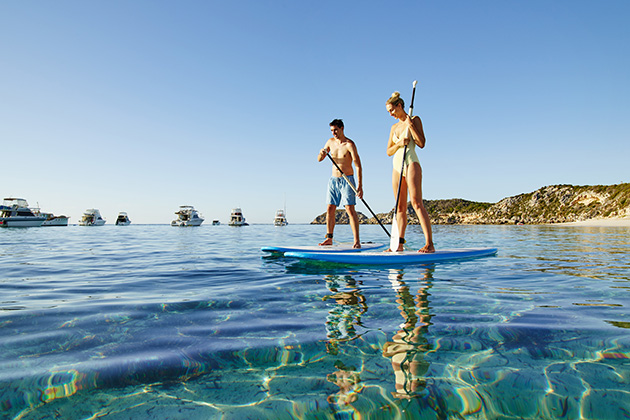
405	257
365	246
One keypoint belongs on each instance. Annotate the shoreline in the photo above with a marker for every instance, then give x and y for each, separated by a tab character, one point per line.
608	222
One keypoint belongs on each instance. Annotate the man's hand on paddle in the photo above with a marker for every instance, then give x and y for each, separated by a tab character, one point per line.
323	153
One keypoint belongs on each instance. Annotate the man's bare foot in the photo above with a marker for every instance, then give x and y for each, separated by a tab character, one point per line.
357	245
327	242
427	249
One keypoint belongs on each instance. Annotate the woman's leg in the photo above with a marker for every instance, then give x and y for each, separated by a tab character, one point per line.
414	173
401	211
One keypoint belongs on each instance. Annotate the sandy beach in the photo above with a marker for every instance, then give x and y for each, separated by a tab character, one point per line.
614	221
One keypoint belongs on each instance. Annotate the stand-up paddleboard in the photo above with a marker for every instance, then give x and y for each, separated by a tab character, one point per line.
405	257
341	248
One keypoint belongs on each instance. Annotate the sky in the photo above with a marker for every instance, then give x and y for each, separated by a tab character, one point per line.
142	106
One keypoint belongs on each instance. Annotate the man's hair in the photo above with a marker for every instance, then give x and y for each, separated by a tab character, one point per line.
336	123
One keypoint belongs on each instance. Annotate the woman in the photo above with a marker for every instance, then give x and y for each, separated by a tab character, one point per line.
407	131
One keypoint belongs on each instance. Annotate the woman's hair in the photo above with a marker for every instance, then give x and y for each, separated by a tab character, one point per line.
395	99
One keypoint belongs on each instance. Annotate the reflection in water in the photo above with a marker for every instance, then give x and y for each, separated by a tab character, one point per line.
341	322
346	314
349	383
409	344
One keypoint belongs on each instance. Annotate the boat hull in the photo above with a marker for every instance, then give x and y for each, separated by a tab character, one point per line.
56	221
196	222
94	223
18	221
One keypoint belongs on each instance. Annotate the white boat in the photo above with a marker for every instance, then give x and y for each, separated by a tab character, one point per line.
237	218
187	216
15	212
91	217
215	223
122	219
52	220
281	219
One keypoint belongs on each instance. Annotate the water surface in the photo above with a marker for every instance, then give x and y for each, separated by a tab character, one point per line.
142	322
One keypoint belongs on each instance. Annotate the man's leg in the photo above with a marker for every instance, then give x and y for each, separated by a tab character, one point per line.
354	224
331	211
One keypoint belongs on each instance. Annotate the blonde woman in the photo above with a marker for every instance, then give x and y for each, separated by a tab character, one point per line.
407	131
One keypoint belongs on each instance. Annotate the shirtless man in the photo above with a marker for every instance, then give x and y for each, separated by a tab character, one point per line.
344	152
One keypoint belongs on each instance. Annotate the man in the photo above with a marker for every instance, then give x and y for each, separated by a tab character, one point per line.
344	152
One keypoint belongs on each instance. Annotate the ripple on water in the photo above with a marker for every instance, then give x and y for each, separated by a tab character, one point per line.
154	321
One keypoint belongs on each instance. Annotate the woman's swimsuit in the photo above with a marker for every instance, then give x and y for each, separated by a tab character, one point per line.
411	151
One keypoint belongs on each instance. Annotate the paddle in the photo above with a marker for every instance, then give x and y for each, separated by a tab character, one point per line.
356	192
394	238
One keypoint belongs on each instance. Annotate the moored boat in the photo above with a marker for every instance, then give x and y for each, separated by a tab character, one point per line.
215	223
187	216
122	219
52	220
237	218
15	212
280	219
92	217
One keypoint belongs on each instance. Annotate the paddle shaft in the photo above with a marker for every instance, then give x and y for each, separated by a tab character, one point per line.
402	169
356	192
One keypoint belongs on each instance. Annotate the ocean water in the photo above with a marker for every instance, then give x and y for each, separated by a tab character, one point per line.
157	322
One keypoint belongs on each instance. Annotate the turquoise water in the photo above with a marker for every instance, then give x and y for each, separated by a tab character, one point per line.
157	322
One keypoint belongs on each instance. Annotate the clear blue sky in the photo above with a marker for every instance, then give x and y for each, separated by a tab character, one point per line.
143	106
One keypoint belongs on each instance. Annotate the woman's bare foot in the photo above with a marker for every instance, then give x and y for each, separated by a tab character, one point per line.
357	245
327	242
427	249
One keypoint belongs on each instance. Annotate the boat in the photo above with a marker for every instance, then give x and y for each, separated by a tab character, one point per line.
215	223
122	219
187	216
15	212
281	219
91	217
237	218
52	220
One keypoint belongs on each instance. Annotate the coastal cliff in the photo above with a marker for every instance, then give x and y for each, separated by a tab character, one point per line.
551	204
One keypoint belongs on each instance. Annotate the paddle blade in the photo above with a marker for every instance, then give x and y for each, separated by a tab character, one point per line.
395	238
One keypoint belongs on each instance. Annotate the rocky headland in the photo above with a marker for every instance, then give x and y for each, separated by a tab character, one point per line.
551	204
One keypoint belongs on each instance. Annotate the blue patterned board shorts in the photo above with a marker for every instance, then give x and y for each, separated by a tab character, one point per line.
340	193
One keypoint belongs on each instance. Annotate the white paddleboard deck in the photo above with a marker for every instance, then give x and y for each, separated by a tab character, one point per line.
365	246
405	257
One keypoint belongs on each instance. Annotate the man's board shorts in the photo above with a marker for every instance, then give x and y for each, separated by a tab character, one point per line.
340	193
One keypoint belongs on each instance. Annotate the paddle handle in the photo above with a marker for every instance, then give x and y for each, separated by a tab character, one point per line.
413	96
